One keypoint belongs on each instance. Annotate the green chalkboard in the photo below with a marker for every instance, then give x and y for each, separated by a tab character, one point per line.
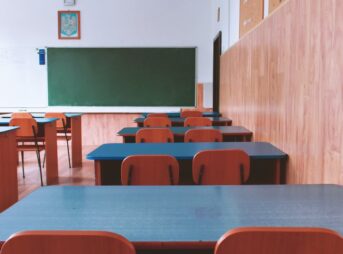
121	76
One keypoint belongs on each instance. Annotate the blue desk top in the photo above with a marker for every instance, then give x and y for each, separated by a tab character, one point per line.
256	150
177	114
175	213
7	129
6	121
42	115
181	120
131	131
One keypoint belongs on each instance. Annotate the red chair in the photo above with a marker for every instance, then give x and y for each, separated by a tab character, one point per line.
190	113
21	115
28	140
197	121
157	122
154	135
203	135
260	240
67	242
150	170
221	167
157	115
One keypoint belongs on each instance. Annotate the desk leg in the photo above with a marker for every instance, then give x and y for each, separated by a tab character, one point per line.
51	153
8	166
277	172
97	166
76	142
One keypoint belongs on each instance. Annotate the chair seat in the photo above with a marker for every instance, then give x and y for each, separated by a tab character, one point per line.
60	137
61	130
30	139
30	148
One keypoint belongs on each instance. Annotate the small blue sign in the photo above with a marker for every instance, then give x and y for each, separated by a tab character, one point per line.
41	53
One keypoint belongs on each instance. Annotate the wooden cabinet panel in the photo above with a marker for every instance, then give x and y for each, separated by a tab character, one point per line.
251	14
273	4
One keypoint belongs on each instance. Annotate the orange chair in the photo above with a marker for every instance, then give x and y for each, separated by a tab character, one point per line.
150	170
67	242
154	135
260	240
197	121
63	132
157	115
157	122
21	115
28	140
203	135
221	167
190	113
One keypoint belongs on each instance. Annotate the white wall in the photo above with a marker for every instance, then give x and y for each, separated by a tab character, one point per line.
104	23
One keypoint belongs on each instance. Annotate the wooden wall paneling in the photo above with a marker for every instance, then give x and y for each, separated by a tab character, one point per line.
273	4
284	82
251	14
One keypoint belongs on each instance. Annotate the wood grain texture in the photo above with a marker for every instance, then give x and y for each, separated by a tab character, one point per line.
273	4
51	153
76	145
8	172
283	81
251	14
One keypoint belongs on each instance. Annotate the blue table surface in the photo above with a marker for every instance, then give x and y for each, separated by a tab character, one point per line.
180	120
7	129
6	121
41	115
177	114
182	130
257	150
175	213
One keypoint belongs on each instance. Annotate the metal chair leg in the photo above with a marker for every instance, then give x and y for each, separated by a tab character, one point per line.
68	152
22	163
44	159
40	167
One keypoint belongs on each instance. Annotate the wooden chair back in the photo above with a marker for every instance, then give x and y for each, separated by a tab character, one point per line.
154	135
221	167
150	170
62	119
157	115
157	122
203	135
197	121
190	113
21	115
67	242
28	127
262	240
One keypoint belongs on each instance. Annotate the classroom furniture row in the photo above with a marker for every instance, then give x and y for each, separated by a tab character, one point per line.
267	163
177	121
167	219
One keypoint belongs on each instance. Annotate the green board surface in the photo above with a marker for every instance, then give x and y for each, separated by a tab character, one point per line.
121	76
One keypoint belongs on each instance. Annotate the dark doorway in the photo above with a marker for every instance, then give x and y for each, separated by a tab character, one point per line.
217	51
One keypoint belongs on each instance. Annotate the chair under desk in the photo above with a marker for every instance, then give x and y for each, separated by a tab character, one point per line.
178	114
267	161
178	121
175	218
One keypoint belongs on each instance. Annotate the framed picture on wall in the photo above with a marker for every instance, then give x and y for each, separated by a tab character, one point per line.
69	26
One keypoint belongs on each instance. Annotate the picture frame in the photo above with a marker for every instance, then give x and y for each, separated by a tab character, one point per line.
69	25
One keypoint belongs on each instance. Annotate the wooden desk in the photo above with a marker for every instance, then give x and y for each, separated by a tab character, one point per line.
230	133
108	158
75	124
177	114
186	218
8	167
178	121
47	129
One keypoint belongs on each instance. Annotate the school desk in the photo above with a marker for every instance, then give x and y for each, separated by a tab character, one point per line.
230	133
177	114
108	158
8	167
167	218
74	123
47	129
178	121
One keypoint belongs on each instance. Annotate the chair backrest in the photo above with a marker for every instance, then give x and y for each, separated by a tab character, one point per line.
67	242
28	127
154	135
280	241
150	170
157	115
157	122
21	115
221	167
203	135
190	113
62	119
197	121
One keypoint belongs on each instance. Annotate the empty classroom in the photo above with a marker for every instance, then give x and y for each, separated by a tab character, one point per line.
163	126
